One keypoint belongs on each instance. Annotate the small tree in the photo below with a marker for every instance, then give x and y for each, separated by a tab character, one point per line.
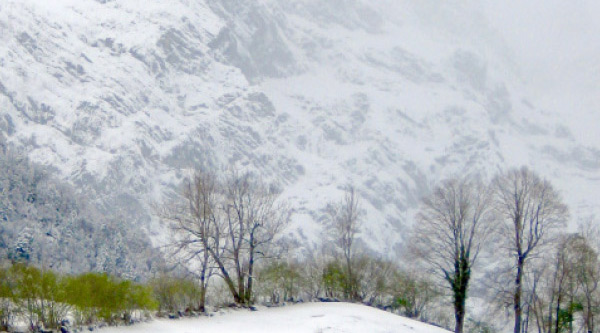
345	224
281	281
334	279
53	307
138	297
27	291
531	211
7	287
452	227
585	267
374	277
174	294
193	220
412	294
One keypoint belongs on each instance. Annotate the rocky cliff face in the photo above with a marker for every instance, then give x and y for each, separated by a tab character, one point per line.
124	98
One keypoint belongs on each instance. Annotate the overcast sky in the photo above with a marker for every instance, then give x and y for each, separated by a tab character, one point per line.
557	44
547	34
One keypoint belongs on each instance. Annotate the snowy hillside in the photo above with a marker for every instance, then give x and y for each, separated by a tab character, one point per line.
124	98
311	317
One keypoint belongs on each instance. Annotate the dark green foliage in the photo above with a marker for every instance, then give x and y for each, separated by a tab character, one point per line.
566	316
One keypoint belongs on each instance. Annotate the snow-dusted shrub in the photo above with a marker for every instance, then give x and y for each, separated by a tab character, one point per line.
175	295
280	282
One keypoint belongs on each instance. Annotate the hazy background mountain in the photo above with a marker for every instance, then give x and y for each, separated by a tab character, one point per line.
124	98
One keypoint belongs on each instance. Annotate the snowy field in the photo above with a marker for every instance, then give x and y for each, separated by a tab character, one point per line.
310	317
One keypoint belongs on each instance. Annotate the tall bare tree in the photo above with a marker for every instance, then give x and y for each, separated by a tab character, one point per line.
228	223
452	226
252	219
193	220
531	211
345	222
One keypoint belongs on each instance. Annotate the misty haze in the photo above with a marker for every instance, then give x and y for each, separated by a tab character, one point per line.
167	166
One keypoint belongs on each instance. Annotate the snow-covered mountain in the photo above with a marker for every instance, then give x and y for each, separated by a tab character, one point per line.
124	98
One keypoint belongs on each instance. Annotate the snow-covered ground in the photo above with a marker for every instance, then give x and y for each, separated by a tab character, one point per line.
310	317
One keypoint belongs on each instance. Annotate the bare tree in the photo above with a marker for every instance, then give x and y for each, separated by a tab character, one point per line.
344	219
562	287
414	293
452	225
561	284
587	269
252	220
538	303
193	220
531	210
229	225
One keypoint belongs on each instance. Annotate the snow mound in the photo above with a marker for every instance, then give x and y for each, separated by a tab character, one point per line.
310	317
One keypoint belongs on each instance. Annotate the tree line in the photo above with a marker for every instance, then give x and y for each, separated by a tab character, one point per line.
547	277
228	247
230	226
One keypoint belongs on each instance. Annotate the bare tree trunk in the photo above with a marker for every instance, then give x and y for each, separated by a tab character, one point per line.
589	320
203	286
226	277
557	311
240	281
526	319
517	295
250	271
550	312
352	288
202	300
460	282
459	306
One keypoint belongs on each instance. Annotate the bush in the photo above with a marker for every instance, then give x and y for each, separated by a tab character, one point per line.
175	294
281	282
98	296
412	294
38	295
335	280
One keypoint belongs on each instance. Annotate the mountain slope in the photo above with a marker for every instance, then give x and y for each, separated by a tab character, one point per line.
125	98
